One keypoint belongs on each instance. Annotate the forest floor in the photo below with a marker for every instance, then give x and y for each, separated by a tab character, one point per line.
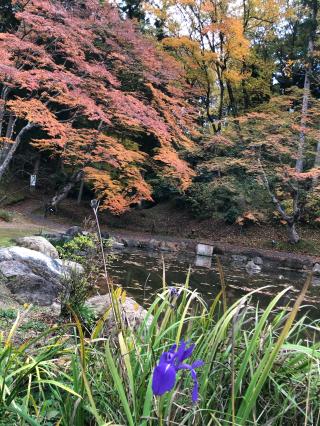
164	220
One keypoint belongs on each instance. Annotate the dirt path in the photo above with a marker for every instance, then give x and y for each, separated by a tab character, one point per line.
164	221
28	215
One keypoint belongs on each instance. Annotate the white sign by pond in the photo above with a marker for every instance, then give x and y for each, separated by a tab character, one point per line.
204	250
33	180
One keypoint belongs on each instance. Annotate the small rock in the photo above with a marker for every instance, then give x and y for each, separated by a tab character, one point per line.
153	244
316	269
316	281
56	309
74	231
117	246
168	246
131	243
40	244
252	268
257	260
238	258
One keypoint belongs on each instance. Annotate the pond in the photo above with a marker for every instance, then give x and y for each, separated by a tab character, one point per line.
140	273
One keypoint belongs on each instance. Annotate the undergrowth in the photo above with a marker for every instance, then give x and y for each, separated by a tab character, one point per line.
261	367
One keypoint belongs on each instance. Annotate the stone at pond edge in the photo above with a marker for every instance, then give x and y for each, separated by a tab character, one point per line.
257	261
252	268
131	312
238	258
74	231
316	269
117	246
40	244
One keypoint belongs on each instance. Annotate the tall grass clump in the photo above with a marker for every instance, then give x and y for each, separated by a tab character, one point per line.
260	367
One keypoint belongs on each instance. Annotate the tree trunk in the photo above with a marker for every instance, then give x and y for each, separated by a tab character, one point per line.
316	165
80	192
292	233
9	133
5	163
64	191
232	100
304	112
306	87
4	93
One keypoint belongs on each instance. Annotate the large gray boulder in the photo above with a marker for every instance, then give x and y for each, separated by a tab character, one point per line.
32	276
40	244
131	312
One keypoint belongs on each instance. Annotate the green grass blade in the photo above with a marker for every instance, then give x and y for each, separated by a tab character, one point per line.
118	385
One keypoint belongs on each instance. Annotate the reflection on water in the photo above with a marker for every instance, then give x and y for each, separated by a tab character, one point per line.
140	272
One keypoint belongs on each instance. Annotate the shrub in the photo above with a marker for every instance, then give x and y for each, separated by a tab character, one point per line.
86	250
76	289
78	248
214	199
6	216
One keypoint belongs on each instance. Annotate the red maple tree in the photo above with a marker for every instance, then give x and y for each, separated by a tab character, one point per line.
107	101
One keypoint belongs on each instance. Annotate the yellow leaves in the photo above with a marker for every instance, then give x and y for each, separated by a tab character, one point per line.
186	2
192	47
178	42
234	76
237	45
5	141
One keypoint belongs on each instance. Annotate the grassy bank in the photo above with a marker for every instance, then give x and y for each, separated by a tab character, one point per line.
8	234
259	367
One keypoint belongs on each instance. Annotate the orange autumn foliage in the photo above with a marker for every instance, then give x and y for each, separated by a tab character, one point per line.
106	100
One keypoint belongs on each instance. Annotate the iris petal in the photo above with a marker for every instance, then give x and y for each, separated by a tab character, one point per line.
195	389
183	352
164	378
180	352
198	363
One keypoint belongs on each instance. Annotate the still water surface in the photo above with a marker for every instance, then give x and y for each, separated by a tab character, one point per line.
140	273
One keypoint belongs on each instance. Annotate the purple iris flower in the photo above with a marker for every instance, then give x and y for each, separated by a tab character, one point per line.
174	291
164	375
